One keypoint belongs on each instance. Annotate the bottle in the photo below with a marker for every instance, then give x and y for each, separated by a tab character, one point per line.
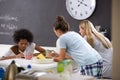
2	73
11	71
64	69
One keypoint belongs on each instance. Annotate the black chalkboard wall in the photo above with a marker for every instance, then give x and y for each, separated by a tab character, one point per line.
39	15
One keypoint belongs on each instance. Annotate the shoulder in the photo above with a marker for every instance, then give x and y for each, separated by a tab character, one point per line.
96	40
15	49
69	34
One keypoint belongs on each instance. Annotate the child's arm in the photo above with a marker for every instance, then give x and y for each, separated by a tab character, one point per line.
40	49
9	57
61	55
14	56
55	54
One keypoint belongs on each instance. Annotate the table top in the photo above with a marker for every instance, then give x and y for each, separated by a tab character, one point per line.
24	63
21	62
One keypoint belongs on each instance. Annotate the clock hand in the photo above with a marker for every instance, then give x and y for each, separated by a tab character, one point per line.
84	4
78	5
81	3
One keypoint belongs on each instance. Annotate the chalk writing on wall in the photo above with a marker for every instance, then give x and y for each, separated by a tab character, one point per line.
8	18
7	24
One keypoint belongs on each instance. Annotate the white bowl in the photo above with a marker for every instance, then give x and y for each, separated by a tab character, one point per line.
42	61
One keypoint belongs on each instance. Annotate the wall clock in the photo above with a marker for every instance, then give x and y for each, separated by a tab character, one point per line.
80	9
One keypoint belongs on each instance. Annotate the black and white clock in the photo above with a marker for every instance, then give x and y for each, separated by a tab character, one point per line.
80	9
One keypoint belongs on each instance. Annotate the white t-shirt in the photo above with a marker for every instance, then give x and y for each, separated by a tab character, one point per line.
30	49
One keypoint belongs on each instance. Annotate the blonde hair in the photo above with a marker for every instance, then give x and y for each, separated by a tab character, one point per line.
90	31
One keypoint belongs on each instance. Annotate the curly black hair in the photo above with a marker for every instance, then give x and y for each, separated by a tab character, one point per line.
22	34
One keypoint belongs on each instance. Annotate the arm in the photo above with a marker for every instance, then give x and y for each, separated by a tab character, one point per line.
67	56
40	49
12	53
55	54
9	57
61	55
14	56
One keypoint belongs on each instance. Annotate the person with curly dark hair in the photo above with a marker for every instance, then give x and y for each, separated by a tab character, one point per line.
24	45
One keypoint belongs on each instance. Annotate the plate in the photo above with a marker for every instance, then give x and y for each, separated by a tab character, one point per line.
42	61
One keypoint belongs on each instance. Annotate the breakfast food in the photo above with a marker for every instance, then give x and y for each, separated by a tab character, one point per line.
41	56
42	59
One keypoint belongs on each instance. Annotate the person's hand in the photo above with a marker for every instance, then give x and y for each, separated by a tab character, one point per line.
36	54
67	56
49	55
53	55
20	55
57	59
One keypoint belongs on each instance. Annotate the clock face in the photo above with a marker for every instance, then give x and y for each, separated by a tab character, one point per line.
80	9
